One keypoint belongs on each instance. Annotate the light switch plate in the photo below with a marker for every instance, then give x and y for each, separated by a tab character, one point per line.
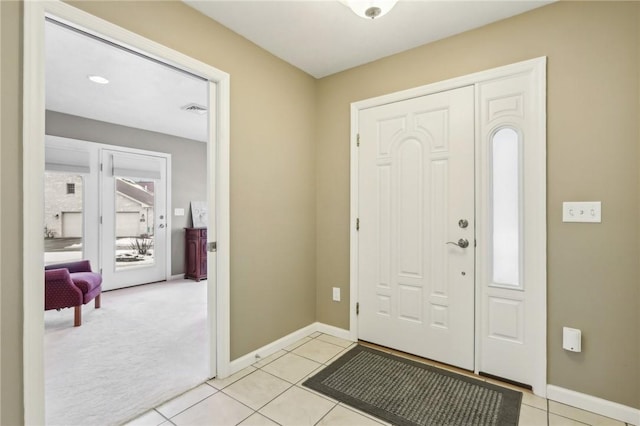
178	212
582	211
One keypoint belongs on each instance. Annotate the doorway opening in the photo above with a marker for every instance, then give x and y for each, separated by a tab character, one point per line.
217	127
127	199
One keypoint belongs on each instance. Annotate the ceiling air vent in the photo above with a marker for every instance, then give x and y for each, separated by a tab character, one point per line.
195	108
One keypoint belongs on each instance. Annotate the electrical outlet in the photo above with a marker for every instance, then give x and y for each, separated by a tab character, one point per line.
336	294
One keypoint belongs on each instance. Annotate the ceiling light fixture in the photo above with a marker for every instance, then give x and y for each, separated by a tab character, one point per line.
371	9
98	79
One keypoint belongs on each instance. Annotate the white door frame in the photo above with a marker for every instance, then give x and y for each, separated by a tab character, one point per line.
33	170
168	204
535	201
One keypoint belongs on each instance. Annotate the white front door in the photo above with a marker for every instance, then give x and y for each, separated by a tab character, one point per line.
416	233
134	223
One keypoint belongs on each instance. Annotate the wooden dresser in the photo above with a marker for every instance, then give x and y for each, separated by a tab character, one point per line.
195	262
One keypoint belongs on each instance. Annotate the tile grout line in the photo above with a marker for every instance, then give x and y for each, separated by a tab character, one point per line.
182	394
382	422
325	414
291	385
570	418
281	378
269	402
322	363
239	402
251	414
292	351
533	406
166	419
237	380
189	407
548	417
318	394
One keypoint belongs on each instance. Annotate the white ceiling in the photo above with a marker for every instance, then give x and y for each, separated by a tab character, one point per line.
321	37
141	93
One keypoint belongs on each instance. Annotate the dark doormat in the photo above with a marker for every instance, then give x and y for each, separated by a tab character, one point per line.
406	392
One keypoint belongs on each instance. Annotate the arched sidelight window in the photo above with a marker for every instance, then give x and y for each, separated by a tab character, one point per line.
506	208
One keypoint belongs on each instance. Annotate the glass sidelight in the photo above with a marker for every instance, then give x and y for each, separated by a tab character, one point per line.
506	178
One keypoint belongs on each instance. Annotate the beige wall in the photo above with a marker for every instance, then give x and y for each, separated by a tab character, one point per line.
592	107
11	218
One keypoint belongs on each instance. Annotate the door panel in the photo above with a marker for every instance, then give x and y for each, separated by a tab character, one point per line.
416	181
133	231
511	266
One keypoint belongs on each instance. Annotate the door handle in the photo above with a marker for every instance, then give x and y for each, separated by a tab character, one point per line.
161	225
462	243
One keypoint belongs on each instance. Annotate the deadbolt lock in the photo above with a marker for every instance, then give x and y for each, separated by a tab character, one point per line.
463	223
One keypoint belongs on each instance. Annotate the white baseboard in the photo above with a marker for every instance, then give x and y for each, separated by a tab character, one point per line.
176	277
273	347
333	331
594	404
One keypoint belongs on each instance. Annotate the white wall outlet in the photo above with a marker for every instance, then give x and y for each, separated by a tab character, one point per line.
178	212
582	211
336	294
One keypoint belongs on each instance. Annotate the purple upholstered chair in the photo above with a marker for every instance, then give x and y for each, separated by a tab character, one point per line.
71	285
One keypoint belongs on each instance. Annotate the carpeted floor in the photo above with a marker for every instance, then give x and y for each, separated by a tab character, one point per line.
144	345
410	393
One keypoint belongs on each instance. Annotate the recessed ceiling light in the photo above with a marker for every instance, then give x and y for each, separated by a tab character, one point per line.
98	79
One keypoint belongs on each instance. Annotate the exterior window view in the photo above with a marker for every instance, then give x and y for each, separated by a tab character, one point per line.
134	222
63	218
63	227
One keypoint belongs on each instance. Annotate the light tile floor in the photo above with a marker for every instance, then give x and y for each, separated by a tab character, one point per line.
271	393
